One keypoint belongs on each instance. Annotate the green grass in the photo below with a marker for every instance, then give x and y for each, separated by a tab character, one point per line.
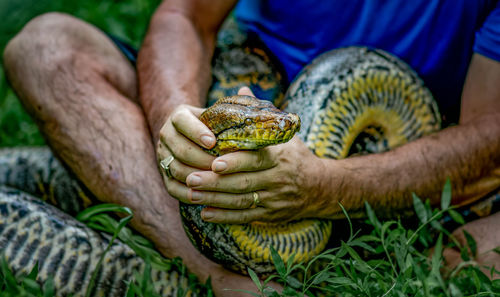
389	261
126	19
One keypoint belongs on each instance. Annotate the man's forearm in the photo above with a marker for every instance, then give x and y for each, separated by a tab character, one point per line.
173	65
468	154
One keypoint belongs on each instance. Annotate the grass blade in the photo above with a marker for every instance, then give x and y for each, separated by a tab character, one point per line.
419	208
278	263
446	195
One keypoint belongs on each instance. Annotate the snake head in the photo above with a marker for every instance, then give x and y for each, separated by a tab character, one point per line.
247	123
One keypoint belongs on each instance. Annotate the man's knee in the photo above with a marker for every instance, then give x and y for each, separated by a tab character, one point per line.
43	41
53	45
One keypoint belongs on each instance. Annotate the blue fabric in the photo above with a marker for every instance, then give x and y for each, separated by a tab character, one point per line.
436	37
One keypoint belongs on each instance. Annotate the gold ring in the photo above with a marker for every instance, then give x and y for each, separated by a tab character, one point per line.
165	164
256	200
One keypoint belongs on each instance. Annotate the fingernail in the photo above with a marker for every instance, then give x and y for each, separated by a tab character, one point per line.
220	166
206	215
193	180
196	196
207	141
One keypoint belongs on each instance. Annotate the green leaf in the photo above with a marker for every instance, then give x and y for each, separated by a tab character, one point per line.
293	282
436	258
321	277
34	272
477	281
446	195
348	220
496	284
130	290
471	243
340	281
464	254
86	214
456	216
278	263
362	245
419	208
48	288
286	292
289	262
9	278
455	291
352	252
32	286
372	217
408	266
254	278
146	276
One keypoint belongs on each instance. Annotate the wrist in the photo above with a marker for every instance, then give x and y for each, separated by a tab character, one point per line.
336	187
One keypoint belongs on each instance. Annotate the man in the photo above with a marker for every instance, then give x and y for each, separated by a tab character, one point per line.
95	110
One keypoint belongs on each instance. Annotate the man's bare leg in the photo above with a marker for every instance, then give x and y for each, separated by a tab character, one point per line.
82	92
486	234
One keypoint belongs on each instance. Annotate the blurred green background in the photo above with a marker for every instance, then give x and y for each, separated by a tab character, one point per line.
126	19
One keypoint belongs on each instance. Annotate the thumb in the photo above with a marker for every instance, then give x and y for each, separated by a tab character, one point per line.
245	91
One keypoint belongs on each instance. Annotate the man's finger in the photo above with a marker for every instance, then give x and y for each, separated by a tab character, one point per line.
180	171
245	91
225	216
185	150
244	161
188	124
227	200
177	189
231	183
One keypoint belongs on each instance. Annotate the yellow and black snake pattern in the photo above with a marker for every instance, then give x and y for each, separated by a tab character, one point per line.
350	101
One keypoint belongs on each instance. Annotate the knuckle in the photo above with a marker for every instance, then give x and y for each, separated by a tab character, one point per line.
209	198
245	184
241	202
179	113
260	159
244	218
280	180
176	116
174	169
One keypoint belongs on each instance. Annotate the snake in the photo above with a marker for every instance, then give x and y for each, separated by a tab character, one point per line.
350	101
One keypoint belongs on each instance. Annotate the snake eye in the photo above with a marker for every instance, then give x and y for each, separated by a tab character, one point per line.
248	121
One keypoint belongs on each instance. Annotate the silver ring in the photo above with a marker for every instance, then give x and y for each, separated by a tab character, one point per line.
165	164
256	200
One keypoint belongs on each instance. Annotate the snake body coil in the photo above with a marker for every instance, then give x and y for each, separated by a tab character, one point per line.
351	100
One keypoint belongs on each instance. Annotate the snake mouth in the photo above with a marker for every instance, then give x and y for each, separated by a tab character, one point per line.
251	138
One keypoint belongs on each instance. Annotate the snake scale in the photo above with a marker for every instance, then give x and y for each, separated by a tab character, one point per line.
350	101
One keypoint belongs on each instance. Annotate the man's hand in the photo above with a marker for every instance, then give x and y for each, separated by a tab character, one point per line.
283	176
183	136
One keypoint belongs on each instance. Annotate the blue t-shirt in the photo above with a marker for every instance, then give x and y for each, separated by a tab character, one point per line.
436	37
